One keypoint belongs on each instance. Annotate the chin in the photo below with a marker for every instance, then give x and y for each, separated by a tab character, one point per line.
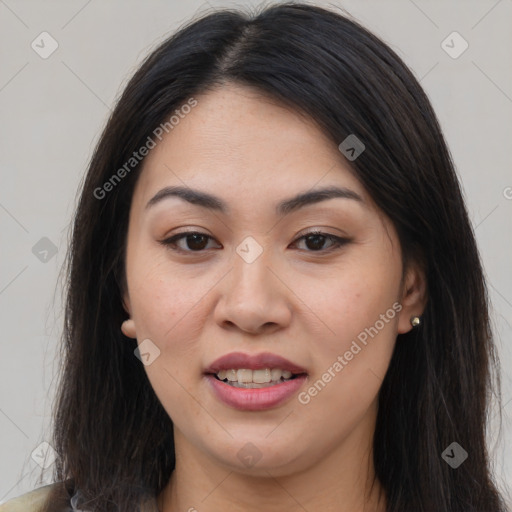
260	457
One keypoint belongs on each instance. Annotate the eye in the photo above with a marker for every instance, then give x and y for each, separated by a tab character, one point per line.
315	241
194	241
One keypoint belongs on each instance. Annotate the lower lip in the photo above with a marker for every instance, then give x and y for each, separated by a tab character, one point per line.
257	399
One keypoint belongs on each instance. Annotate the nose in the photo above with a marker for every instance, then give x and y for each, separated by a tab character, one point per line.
253	298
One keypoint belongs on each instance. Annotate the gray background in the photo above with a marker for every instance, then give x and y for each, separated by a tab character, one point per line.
53	109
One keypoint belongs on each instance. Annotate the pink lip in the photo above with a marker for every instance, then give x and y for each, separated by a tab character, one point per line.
256	399
239	360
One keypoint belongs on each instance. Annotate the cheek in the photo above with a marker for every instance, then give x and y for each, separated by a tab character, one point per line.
166	305
352	300
167	310
359	314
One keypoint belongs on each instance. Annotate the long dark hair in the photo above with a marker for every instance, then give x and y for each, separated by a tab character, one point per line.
114	438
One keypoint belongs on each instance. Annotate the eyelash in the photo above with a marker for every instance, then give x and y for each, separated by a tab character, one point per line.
337	241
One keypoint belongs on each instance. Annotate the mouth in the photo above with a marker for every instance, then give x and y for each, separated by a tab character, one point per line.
254	382
255	379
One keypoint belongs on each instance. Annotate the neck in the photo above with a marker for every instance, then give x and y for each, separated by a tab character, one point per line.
341	480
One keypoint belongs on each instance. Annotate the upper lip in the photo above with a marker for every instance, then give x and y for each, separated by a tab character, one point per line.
239	360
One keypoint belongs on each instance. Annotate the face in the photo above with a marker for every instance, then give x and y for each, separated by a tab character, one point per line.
307	292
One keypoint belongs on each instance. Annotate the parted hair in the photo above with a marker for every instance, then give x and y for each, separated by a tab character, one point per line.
114	438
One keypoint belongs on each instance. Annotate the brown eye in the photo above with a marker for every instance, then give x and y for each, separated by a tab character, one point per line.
194	241
188	242
316	241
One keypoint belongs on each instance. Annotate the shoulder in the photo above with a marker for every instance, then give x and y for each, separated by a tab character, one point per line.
31	501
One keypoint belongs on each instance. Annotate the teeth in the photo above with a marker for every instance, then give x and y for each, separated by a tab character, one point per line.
231	375
277	374
262	376
246	376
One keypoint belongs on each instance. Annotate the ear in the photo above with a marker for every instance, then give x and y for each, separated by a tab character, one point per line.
128	326
414	296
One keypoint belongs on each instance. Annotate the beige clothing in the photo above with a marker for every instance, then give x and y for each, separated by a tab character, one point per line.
29	502
34	500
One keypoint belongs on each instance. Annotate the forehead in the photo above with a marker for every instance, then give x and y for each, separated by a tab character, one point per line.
244	146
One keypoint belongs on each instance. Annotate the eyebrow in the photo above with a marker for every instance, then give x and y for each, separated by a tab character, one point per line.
214	203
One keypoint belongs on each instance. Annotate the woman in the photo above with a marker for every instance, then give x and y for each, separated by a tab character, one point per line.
275	298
